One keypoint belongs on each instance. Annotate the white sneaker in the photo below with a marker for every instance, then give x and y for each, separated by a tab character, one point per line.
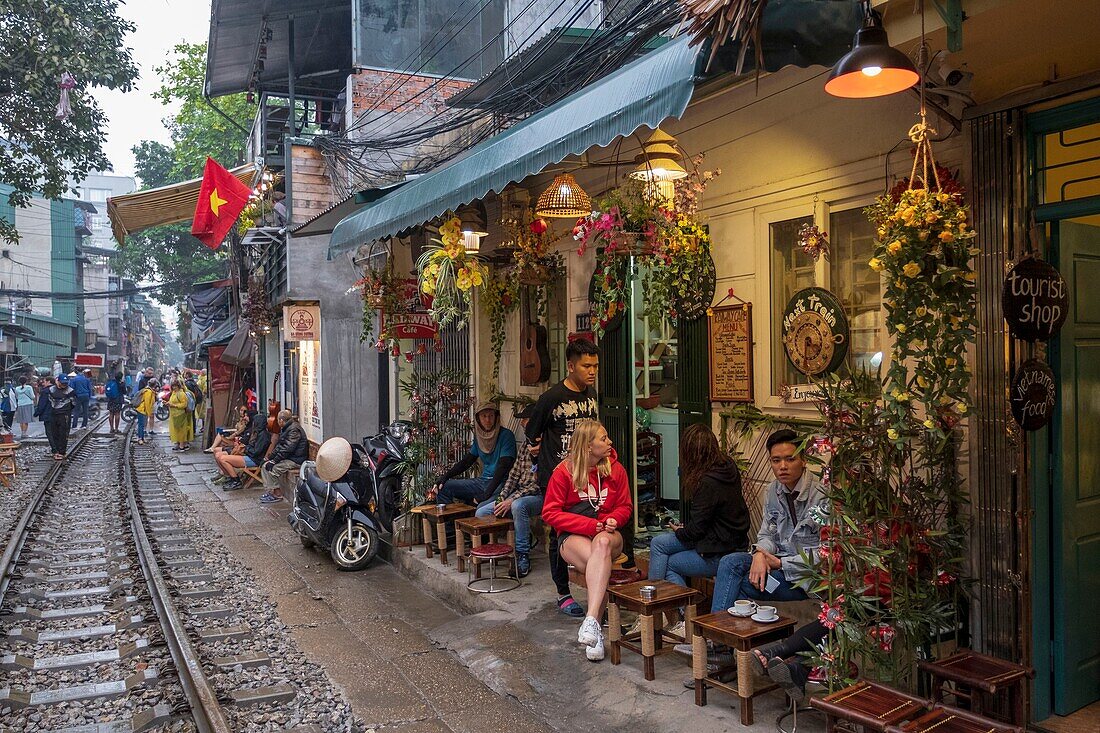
595	651
677	629
590	632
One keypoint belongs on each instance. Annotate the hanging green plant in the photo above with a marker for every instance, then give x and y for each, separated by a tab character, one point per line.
385	295
448	273
499	298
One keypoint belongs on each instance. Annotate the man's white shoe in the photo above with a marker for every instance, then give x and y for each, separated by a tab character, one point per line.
590	632
596	651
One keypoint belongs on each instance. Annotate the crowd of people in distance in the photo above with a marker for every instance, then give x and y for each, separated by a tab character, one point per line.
564	468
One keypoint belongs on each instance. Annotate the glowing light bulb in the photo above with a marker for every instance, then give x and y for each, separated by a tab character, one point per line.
871	70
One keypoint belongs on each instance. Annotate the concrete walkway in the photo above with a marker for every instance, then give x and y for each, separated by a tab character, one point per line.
415	651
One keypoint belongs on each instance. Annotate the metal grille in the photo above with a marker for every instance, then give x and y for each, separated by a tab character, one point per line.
455	355
998	468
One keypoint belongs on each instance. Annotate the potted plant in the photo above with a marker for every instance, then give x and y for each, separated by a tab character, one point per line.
448	273
384	293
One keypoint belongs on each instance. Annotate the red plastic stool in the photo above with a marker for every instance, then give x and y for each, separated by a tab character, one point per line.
492	554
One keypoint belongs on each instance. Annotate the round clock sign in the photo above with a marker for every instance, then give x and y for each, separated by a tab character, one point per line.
815	331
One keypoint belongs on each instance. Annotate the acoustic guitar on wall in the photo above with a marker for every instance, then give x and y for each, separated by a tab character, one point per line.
534	350
273	408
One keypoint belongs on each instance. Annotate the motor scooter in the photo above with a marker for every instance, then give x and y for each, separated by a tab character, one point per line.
351	516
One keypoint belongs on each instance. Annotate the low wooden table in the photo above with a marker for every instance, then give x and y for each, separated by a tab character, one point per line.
977	678
476	528
649	640
742	634
947	719
434	517
870	705
8	469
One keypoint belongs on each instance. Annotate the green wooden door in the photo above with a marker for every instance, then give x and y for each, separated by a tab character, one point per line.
1075	527
694	380
616	384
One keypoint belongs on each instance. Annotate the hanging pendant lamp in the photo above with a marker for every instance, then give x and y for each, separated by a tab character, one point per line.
564	199
472	218
873	68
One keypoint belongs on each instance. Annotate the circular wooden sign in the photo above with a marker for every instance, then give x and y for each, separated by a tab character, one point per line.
1035	300
815	331
1032	394
695	305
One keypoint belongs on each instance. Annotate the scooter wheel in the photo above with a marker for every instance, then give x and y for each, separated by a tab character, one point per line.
307	542
354	550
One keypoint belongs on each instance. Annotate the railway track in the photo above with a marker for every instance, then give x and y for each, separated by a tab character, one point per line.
111	620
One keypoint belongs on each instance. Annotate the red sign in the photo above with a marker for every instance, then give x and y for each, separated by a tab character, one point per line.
412	326
86	360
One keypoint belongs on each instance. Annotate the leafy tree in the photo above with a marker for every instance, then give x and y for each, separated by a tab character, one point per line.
40	40
169	254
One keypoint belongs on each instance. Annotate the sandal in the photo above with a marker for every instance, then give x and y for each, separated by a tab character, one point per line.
780	672
759	663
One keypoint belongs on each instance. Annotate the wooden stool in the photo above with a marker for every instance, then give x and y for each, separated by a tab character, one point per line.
946	719
8	469
742	634
433	516
476	528
491	553
977	678
619	576
651	636
251	476
870	705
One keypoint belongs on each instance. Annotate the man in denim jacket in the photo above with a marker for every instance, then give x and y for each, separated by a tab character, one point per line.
794	506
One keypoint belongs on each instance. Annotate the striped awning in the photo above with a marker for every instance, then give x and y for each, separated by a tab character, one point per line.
169	204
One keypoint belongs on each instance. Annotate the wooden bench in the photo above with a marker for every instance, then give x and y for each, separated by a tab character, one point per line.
976	678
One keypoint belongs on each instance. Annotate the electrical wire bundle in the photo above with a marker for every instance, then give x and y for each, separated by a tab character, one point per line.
385	145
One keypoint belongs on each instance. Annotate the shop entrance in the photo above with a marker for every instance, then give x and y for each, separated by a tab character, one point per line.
1066	550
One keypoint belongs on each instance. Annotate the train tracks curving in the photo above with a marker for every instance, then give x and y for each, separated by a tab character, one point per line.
110	619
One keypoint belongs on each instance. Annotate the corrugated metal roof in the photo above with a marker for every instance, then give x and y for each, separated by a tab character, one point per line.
647	92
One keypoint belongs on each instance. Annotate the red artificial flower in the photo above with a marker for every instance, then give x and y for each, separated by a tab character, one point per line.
885	634
539	226
831	615
944	578
878	584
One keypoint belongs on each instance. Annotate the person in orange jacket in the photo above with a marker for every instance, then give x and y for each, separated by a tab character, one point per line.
587	501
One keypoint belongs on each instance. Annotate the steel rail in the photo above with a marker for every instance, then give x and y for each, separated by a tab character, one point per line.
205	708
19	531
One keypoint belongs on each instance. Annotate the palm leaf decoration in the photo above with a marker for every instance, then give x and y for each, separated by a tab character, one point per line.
724	21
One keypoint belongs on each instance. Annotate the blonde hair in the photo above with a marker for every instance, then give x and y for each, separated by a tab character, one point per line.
583	435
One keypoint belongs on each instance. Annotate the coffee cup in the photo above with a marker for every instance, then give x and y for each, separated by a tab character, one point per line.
744	607
766	612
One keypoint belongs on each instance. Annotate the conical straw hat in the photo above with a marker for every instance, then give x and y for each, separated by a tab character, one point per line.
333	459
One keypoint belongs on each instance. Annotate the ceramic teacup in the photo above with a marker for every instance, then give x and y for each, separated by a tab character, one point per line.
744	607
766	612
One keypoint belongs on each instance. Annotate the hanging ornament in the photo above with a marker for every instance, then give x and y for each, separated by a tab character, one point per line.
64	108
814	242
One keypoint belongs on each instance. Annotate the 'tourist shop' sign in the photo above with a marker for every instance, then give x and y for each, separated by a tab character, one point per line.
1032	394
1035	300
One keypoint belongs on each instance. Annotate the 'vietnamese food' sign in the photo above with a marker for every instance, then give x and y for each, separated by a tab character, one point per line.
1032	394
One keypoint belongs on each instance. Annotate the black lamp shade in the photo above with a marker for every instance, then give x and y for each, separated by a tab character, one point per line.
873	68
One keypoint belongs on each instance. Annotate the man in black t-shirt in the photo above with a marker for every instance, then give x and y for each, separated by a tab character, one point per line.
549	430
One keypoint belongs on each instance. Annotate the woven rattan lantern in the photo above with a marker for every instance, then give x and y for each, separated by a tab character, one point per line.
564	199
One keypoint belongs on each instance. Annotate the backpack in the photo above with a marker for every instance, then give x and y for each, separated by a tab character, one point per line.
112	391
135	399
190	401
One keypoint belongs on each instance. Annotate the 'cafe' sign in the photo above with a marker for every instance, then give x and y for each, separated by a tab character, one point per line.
1035	300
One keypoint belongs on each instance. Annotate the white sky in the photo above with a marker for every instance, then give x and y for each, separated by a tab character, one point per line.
136	116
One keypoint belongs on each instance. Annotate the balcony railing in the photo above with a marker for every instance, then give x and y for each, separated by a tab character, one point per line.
266	248
313	115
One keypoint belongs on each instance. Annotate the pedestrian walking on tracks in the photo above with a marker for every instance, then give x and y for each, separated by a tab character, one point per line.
62	403
7	404
181	421
144	405
44	411
81	385
115	392
24	405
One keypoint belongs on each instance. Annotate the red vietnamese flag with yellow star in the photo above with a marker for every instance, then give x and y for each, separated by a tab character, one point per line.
222	198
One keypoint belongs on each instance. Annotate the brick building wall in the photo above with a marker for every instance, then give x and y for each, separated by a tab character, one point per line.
388	91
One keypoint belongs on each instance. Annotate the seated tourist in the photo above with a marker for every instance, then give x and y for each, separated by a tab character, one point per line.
494	446
587	500
794	505
258	443
291	451
226	436
718	520
520	497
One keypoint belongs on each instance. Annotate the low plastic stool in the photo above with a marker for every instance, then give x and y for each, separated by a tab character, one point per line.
492	554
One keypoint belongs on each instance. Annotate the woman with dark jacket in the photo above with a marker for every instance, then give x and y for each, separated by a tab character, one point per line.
44	411
718	521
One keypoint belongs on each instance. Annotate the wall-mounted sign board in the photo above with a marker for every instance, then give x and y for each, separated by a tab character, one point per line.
729	343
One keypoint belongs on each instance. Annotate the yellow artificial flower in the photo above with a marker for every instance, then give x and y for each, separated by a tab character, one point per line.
931	217
950	361
903	396
960	407
947	237
943	198
960	215
892	434
921	311
911	269
971	276
922	382
901	328
876	264
929	424
900	285
894	247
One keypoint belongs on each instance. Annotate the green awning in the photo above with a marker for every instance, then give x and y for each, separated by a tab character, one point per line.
646	92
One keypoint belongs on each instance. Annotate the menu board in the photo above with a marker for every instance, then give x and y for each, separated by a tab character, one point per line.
729	344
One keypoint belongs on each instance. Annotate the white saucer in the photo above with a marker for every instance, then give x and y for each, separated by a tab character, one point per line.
733	612
756	617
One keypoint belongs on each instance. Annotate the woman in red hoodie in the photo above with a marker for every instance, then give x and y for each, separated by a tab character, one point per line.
587	500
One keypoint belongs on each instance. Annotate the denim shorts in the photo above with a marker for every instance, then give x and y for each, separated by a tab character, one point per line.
248	462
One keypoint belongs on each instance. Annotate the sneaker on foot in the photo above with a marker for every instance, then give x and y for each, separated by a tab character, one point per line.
589	632
270	499
232	485
523	564
595	652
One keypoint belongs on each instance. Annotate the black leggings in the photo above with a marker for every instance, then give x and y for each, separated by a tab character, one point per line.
804	639
59	427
